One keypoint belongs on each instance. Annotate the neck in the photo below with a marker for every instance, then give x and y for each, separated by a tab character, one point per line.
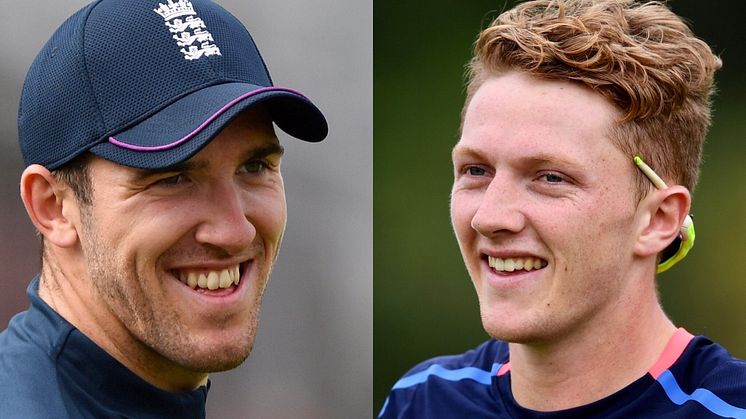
66	290
591	363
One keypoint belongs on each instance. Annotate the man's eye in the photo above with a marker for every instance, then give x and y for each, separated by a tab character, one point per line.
475	171
172	180
254	166
553	178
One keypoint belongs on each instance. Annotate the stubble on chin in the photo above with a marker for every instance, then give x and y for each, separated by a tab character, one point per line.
150	329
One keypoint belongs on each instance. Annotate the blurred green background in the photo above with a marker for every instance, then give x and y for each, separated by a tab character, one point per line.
424	303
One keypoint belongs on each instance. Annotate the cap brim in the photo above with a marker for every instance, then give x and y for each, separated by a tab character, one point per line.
181	129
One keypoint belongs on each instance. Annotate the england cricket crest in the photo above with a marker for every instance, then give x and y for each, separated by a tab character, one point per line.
188	29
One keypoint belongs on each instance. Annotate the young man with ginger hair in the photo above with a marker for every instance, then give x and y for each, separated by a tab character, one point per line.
563	227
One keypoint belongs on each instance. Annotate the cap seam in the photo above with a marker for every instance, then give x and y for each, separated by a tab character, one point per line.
256	47
56	164
261	58
101	121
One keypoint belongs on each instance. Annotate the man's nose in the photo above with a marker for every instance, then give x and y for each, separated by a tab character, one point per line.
501	209
225	219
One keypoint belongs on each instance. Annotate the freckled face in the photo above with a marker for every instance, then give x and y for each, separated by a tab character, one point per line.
150	237
543	207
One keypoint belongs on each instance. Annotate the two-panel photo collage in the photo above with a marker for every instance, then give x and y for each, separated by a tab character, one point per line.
342	209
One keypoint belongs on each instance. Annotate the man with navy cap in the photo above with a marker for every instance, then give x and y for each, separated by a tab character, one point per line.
153	177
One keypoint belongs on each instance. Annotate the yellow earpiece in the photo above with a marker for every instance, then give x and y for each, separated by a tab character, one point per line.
679	248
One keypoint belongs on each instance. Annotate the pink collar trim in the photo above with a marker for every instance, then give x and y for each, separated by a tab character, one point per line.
674	348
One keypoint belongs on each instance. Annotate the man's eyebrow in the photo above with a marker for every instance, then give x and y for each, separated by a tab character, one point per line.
530	159
464	150
542	158
140	175
183	166
189	165
264	151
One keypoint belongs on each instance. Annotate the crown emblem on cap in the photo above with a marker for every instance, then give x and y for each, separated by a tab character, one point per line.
175	9
188	31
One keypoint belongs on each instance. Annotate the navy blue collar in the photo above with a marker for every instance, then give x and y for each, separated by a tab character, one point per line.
92	381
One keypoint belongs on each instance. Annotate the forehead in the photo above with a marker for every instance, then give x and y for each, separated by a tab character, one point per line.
250	128
521	113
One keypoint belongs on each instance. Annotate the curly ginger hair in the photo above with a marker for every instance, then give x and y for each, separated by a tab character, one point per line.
642	57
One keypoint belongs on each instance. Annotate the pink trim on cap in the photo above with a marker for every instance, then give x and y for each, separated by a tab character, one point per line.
674	348
504	369
202	125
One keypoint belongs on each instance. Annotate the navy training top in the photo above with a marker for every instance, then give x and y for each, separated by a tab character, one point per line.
693	378
50	370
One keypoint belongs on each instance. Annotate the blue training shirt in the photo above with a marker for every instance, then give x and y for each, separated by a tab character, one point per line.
50	370
693	378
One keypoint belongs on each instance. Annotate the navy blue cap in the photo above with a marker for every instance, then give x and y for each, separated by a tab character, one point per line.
147	84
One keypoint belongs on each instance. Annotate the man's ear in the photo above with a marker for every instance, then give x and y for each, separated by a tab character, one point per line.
50	206
668	208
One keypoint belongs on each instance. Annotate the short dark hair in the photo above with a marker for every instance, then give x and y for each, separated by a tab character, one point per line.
75	174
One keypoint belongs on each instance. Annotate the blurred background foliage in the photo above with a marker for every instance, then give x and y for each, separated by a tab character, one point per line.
424	303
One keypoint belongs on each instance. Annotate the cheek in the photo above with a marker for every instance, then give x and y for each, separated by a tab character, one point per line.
145	232
592	237
268	212
463	208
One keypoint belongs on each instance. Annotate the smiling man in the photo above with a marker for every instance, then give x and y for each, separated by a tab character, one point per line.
563	227
153	178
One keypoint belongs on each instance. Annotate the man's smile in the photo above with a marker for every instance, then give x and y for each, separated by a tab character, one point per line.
512	264
210	279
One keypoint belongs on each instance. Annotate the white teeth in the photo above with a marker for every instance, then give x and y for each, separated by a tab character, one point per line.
515	264
192	280
510	265
211	280
225	279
